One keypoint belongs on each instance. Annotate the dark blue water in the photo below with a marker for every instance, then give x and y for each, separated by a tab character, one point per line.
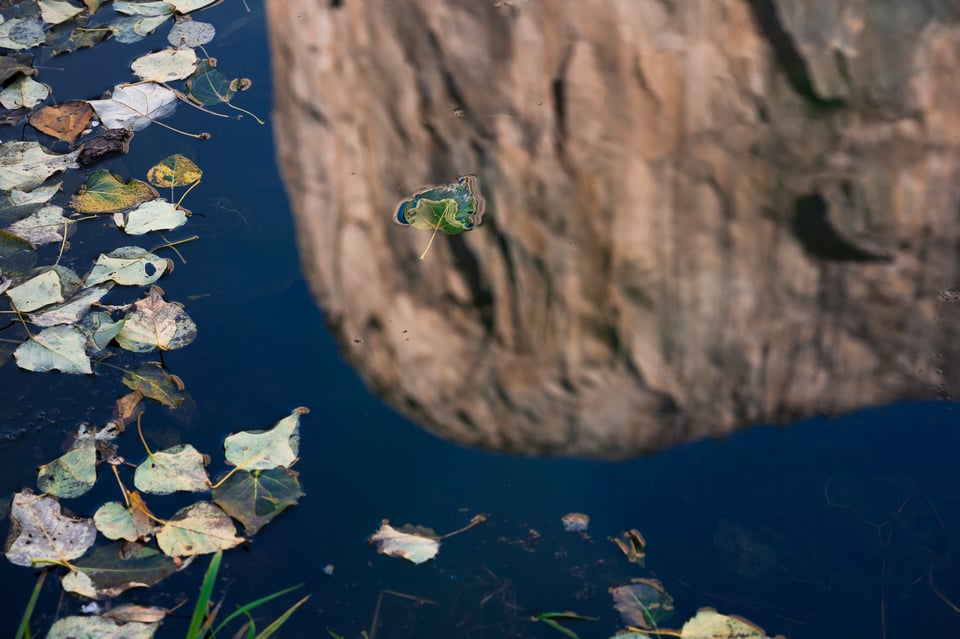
830	528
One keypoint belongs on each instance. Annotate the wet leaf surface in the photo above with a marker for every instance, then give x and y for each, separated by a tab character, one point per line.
263	450
105	192
176	469
154	382
155	323
24	165
417	547
166	65
254	498
99	627
66	121
59	348
176	170
128	266
112	569
643	603
131	523
41	532
23	93
71	474
135	107
197	530
156	215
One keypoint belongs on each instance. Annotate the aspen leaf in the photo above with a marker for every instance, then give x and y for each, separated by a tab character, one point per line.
99	627
166	65
57	11
41	532
71	474
23	93
175	469
153	381
155	323
115	568
263	450
128	266
176	170
66	121
417	547
24	165
136	106
105	192
155	215
254	498
55	348
191	33
196	530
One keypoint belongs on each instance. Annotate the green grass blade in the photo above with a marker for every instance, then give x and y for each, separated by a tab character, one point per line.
23	631
206	591
242	610
564	631
282	619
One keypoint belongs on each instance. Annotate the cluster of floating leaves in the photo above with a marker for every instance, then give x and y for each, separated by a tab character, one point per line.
67	327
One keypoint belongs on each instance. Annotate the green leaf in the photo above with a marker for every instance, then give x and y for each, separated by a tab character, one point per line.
451	208
155	215
165	66
254	498
196	530
41	532
56	348
11	243
21	33
156	383
71	474
24	165
70	311
112	569
51	286
208	86
116	521
24	92
105	192
99	328
179	468
156	323
128	266
263	450
100	627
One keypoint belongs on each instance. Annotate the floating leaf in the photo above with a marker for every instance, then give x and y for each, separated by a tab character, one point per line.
39	195
117	521
73	309
100	627
96	148
56	348
155	215
633	546
135	106
24	165
115	568
188	6
144	8
45	226
191	33
105	192
208	86
710	624
126	409
128	266
11	65
176	170
51	286
11	243
57	11
254	498
156	383
131	29
453	208
21	33
80	39
166	65
66	121
263	450
415	547
175	469
100	328
196	530
575	522
132	612
71	474
41	532
156	323
643	603
24	92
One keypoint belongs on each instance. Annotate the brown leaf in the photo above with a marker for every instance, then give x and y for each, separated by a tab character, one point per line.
65	121
128	407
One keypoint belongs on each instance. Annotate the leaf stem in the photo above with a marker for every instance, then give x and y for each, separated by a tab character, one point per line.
430	243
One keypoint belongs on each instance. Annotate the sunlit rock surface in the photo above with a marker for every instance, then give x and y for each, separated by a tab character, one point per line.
700	215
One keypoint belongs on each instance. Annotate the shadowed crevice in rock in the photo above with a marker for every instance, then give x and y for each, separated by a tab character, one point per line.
787	54
811	226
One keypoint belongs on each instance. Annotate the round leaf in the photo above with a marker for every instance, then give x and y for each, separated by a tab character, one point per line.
176	170
166	65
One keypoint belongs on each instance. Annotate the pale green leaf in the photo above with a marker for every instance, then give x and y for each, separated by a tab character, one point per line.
100	328
56	348
24	92
128	266
40	532
191	33
135	106
412	547
116	521
43	227
24	165
175	469
263	450
21	33
150	9
166	65
710	624
156	215
155	323
70	311
41	290
71	474
39	195
196	530
57	11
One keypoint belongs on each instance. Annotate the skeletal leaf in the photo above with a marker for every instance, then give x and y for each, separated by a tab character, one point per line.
155	215
57	11
176	170
105	192
412	546
41	532
115	568
196	530
71	474
24	165
128	266
136	106
66	121
175	469
155	323
166	65
152	381
263	450
43	227
24	92
254	498
191	33
55	348
100	627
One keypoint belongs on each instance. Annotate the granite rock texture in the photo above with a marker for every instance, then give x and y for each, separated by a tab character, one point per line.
701	215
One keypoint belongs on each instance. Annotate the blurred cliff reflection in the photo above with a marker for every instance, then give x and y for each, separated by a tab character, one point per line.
700	215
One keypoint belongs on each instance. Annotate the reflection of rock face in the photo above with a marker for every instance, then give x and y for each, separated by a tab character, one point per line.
700	214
